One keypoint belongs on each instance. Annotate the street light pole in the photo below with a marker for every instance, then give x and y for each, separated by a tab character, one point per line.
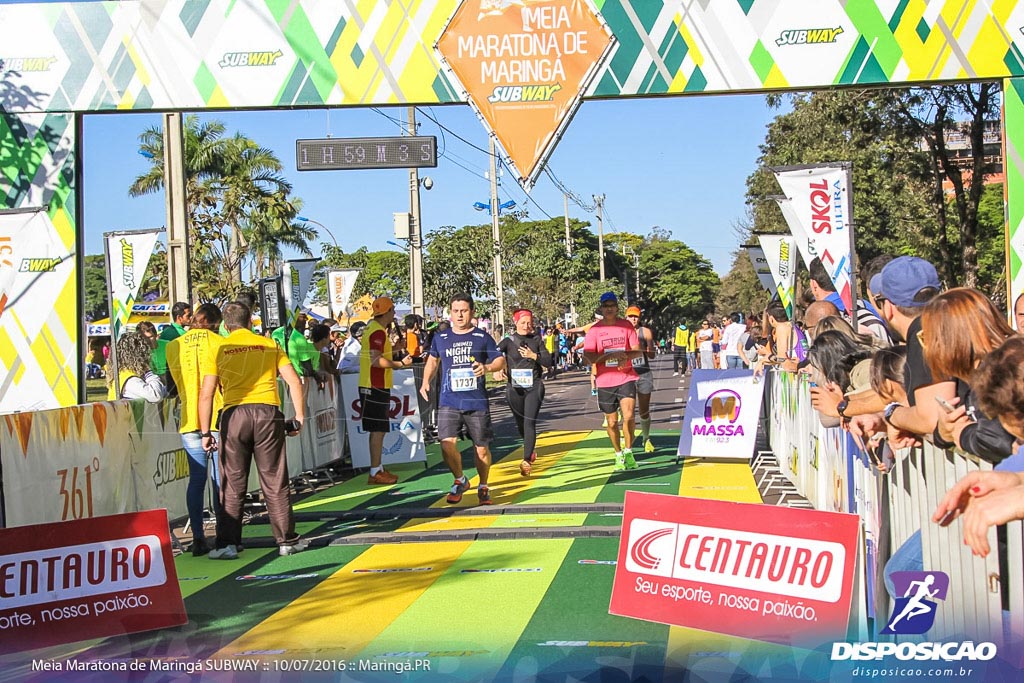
329	233
415	233
599	200
496	236
568	252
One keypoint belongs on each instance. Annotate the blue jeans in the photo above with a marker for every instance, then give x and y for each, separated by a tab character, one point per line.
909	557
734	362
197	474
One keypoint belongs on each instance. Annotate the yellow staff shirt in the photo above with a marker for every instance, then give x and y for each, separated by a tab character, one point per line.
247	365
189	359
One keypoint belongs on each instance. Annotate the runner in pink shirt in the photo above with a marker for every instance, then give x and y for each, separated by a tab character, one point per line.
610	346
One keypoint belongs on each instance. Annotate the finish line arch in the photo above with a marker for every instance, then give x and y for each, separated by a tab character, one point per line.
61	61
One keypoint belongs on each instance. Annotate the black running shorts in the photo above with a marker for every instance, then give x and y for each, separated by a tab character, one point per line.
608	398
376	403
477	422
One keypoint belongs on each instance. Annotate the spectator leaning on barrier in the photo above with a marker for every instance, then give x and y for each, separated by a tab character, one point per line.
832	400
985	499
320	338
252	428
348	359
376	361
305	359
134	378
902	290
189	358
959	328
181	316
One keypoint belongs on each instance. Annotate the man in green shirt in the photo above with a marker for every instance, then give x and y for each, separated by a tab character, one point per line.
304	356
181	316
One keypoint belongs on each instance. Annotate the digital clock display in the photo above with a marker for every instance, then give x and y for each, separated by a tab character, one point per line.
341	154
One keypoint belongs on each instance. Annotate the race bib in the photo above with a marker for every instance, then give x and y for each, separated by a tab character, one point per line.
638	362
522	378
613	362
462	379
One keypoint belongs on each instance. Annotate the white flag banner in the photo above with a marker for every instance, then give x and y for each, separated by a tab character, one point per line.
780	254
339	286
803	242
298	275
127	258
757	259
820	197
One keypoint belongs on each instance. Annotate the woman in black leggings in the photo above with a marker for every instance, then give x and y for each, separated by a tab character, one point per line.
526	359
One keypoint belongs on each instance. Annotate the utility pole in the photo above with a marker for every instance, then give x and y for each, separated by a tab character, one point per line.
415	233
179	280
568	252
496	236
599	200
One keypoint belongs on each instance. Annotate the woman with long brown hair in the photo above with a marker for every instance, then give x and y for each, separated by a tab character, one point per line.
958	329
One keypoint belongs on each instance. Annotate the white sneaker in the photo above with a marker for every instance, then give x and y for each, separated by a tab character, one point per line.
292	548
228	552
675	374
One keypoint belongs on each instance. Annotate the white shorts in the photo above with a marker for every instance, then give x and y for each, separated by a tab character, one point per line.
645	383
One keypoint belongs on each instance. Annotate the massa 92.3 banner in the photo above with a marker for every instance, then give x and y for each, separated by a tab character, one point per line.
768	573
722	411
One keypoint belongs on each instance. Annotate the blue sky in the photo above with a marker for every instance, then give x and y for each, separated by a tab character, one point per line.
679	163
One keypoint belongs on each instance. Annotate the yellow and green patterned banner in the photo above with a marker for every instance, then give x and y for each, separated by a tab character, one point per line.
39	323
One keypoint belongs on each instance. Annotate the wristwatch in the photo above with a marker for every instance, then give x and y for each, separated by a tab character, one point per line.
841	407
206	434
889	410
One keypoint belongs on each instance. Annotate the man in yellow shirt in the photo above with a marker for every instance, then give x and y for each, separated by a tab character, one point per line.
253	429
189	358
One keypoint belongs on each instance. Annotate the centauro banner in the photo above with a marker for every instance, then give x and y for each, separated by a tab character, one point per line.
757	571
820	199
85	579
780	253
525	66
36	269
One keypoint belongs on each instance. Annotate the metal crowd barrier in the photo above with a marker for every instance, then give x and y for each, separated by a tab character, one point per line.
825	465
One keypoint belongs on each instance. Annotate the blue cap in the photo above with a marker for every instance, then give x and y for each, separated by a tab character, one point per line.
903	278
609	297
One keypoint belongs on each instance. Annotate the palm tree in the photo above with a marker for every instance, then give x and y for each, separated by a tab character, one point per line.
270	226
232	185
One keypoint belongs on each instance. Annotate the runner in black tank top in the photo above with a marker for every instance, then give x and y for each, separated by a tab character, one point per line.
526	358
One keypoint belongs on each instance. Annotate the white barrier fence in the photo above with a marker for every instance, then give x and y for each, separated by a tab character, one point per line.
825	466
123	456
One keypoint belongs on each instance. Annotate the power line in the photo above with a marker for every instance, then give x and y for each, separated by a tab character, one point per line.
527	194
576	199
456	135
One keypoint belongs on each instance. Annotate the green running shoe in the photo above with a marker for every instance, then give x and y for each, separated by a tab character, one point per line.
630	461
620	463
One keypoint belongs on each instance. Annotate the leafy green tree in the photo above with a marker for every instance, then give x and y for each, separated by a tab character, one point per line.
381	273
678	283
95	274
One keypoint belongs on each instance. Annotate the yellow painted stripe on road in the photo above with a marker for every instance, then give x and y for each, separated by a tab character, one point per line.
507	483
350	609
713	480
